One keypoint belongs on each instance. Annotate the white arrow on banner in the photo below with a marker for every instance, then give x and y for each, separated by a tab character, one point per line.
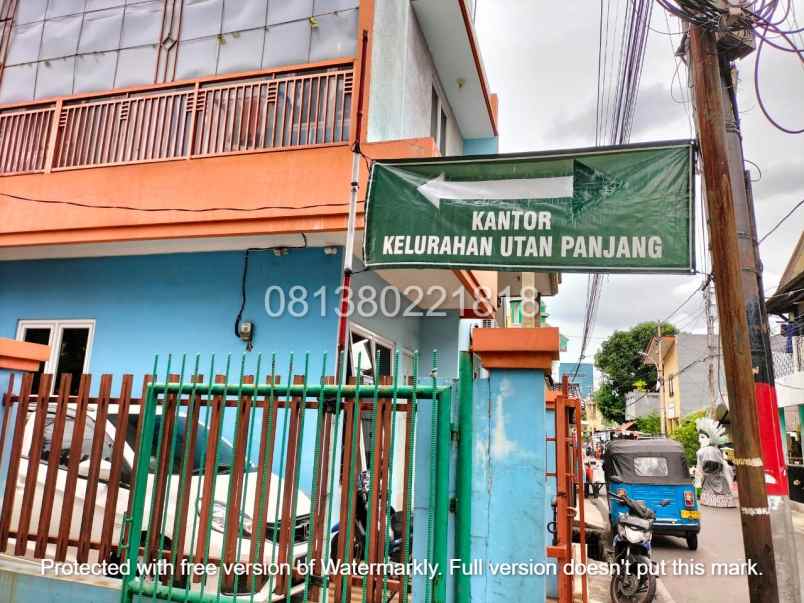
519	188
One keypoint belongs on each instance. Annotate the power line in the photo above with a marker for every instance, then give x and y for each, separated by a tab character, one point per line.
164	209
780	222
686	301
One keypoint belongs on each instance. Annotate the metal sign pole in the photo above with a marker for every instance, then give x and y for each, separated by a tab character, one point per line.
351	226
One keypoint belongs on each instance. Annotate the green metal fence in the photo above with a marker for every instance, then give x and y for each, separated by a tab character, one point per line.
241	475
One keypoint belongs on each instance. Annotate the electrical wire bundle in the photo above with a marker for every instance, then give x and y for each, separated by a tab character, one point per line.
621	53
623	37
593	288
772	22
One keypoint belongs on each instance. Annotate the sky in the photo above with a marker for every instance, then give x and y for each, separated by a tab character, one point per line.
541	58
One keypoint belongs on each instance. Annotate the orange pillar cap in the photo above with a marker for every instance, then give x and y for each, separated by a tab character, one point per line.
517	348
21	355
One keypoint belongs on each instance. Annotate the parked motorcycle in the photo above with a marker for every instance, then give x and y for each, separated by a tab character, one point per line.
358	532
635	580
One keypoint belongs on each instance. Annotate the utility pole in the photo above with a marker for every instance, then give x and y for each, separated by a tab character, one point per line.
755	515
711	348
761	356
660	380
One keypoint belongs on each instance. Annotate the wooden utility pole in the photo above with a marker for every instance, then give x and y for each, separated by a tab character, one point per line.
767	407
660	379
754	512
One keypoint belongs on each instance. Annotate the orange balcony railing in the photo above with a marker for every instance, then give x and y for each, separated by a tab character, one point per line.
193	119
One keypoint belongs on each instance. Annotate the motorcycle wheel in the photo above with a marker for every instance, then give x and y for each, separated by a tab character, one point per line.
621	591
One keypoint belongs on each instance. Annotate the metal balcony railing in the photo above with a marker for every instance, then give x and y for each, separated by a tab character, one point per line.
787	363
200	118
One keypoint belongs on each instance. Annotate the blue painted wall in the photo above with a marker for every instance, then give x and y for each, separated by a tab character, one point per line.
177	303
187	303
435	333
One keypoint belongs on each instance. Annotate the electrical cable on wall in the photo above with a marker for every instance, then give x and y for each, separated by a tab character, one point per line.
164	209
244	277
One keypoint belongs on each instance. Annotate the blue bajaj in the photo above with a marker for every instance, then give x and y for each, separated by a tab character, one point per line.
654	473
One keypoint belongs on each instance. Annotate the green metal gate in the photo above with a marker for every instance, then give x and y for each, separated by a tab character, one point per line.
251	519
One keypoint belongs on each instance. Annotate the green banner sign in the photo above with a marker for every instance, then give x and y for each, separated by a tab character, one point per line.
615	209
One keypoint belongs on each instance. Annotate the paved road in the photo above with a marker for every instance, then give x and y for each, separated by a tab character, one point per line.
720	541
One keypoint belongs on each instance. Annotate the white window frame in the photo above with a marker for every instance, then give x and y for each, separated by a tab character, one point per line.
355	328
442	120
369	334
56	333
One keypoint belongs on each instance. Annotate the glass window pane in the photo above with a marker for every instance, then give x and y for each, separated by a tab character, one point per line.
287	44
330	6
201	18
60	38
197	58
95	71
72	353
282	11
67	438
650	466
136	66
59	8
244	14
25	41
241	51
434	115
30	10
55	78
18	83
101	31
39	335
142	24
335	36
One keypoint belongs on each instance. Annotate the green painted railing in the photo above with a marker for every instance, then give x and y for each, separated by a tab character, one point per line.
176	515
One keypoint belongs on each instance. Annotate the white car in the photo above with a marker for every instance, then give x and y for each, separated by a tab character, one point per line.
225	457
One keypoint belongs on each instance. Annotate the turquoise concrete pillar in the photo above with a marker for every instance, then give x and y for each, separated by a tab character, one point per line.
510	500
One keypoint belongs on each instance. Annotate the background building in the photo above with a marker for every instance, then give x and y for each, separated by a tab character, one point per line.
584	377
686	359
639	404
